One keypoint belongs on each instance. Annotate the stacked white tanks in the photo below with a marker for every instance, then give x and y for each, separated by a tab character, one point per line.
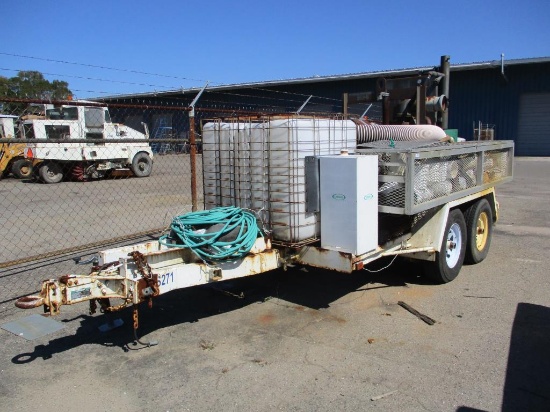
261	166
235	160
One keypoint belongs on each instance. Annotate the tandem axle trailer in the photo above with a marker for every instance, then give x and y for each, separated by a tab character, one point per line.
433	203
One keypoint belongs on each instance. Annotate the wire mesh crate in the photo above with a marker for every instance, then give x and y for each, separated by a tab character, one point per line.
415	177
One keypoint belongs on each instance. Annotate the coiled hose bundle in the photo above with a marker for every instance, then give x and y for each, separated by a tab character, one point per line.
217	234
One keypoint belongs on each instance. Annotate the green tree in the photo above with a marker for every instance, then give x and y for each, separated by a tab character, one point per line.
31	85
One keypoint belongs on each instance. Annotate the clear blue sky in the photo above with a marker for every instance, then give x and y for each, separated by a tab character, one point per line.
189	42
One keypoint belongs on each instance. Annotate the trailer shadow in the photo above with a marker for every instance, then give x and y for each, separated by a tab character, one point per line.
527	386
307	287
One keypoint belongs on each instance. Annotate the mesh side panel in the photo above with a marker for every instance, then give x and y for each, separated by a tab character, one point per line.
391	194
496	165
438	177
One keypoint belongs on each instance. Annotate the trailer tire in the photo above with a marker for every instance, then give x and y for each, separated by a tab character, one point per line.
479	227
22	168
50	172
142	165
449	259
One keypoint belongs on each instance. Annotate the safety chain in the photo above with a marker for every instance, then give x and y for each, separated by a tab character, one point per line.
106	305
135	317
145	271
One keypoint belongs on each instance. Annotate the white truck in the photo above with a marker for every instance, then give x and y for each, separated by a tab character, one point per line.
83	143
430	202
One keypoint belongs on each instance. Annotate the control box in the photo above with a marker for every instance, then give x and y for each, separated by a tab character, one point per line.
349	203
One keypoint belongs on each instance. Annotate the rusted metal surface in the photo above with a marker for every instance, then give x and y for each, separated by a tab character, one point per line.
150	279
115	254
135	317
326	259
436	103
445	68
259	114
95	104
145	288
416	313
175	269
29	302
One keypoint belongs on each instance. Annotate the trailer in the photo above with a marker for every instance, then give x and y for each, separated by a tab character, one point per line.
277	193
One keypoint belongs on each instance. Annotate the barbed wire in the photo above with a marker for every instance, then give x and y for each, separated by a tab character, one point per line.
295	94
255	97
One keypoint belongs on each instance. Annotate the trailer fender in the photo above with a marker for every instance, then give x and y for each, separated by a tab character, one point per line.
429	234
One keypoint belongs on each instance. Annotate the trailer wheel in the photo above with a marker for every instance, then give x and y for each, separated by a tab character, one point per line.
449	259
142	165
50	172
22	168
479	226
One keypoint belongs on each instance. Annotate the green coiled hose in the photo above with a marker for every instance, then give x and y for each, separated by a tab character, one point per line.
194	231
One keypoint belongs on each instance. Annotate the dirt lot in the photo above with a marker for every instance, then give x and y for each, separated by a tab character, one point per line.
307	340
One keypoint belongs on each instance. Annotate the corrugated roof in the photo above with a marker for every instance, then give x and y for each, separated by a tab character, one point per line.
341	77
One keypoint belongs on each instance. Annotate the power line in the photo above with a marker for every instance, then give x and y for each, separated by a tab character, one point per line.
92	78
101	67
154	74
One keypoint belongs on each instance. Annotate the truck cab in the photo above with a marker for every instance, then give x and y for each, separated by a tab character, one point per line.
82	141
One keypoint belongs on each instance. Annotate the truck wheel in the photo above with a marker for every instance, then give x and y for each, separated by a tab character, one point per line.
50	172
22	168
479	227
142	165
449	259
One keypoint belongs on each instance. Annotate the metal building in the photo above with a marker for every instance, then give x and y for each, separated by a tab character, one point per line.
514	96
511	97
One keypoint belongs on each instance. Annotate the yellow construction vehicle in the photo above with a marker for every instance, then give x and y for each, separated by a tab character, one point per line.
12	159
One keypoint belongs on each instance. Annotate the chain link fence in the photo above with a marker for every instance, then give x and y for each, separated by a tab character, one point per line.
80	176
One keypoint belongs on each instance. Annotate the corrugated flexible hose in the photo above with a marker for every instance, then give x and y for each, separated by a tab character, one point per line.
370	132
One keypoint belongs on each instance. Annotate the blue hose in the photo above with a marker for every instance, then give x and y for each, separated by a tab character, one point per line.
191	230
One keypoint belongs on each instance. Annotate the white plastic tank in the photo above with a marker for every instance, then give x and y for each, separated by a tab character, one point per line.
261	166
234	159
291	140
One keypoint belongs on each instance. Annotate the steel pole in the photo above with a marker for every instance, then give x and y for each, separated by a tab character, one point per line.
446	70
193	160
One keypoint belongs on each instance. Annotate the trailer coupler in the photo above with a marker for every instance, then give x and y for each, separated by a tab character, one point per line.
71	289
98	287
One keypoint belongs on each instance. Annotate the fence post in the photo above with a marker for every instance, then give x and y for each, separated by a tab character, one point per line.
193	150
193	159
